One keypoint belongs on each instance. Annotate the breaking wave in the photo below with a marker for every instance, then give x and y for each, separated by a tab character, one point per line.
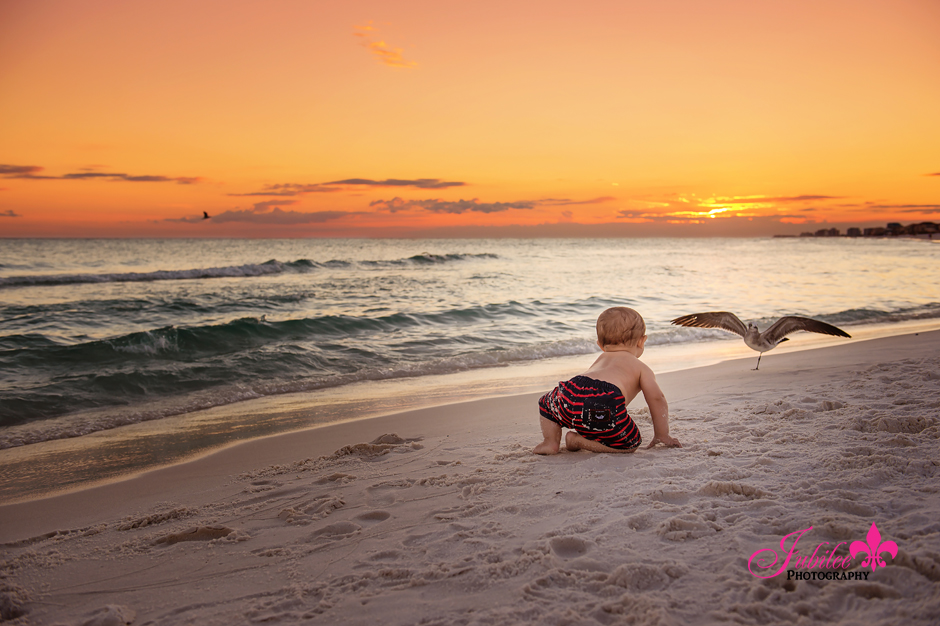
234	271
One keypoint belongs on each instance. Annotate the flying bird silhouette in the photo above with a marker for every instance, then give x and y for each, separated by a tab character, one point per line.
756	340
205	215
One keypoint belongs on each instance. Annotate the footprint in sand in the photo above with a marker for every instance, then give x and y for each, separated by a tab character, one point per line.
337	477
687	526
111	615
324	505
569	547
828	405
386	555
373	517
199	533
339	530
258	486
386	493
459	512
293	516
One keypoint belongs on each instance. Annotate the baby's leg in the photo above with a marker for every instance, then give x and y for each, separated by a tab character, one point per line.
574	441
551	433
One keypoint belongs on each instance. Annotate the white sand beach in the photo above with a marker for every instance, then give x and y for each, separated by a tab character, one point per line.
444	516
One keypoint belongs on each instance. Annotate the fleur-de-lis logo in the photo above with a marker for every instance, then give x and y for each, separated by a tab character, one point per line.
874	549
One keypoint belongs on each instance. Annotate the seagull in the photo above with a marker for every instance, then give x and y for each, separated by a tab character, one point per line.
205	215
756	340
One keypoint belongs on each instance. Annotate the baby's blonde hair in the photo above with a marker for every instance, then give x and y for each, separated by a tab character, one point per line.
620	325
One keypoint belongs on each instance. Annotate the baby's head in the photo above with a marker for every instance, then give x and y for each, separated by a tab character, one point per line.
620	325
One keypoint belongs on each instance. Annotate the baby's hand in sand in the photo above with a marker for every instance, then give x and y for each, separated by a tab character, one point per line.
666	440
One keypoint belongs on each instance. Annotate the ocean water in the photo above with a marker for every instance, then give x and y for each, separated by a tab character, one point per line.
143	329
101	334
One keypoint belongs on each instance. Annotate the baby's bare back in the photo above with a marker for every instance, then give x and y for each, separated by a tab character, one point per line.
621	369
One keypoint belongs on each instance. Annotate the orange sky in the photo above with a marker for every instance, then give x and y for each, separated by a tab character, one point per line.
355	118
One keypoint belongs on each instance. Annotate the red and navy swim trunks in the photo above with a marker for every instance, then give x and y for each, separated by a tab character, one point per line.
595	409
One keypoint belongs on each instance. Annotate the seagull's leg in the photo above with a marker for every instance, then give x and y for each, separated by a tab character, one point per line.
758	361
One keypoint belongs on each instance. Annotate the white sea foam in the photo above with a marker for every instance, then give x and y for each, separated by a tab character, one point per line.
240	271
87	422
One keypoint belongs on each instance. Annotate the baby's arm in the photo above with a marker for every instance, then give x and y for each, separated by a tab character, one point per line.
659	409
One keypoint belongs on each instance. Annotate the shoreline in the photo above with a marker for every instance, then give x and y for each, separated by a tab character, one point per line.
35	470
454	519
127	451
305	441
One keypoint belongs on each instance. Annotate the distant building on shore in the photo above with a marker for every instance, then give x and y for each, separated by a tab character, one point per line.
894	229
927	230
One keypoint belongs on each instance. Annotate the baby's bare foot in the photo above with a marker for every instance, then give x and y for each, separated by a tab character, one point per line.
546	447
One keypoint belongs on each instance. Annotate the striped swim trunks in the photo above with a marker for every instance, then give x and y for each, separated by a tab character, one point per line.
595	409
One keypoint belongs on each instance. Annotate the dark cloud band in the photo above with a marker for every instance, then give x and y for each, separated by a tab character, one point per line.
568	201
279	216
419	183
299	189
31	172
777	199
269	212
448	206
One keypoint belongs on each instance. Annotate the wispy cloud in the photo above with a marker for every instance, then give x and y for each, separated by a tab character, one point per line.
299	189
771	199
289	189
934	174
689	208
464	206
10	213
419	183
568	201
910	208
278	216
260	207
383	52
269	212
117	177
22	171
692	217
449	206
31	172
905	206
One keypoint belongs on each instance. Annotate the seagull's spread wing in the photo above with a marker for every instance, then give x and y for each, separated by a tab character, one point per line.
793	323
715	319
